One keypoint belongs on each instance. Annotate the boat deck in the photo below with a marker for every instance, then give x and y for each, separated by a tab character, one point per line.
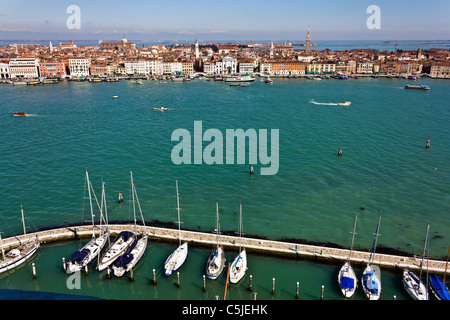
263	246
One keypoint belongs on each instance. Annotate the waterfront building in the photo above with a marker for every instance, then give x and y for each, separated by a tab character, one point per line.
99	69
79	67
209	67
24	68
137	67
172	67
187	67
288	67
351	67
52	68
265	67
364	67
4	71
228	65
246	66
440	70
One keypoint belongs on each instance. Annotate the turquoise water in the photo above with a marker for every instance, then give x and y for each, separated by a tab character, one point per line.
314	196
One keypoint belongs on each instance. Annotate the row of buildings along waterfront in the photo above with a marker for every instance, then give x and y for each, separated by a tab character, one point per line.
124	58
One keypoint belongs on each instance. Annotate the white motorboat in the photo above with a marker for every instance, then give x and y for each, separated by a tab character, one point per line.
239	78
239	266
19	255
177	257
347	277
345	103
162	109
136	250
216	261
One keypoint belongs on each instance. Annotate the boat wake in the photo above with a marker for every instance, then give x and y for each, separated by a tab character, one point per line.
324	103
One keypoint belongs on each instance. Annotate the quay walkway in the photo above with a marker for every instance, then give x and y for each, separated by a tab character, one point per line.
263	246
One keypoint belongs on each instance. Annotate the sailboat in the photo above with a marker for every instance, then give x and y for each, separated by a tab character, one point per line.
18	255
216	261
123	240
371	278
413	284
438	286
92	249
347	277
178	257
239	265
135	251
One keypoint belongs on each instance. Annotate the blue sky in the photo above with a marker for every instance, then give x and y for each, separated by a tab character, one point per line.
244	19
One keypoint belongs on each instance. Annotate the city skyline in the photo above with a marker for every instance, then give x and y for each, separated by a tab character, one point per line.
232	20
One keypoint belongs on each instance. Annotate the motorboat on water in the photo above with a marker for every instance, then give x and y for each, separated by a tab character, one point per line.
421	87
161	109
345	103
268	80
20	114
115	97
239	78
137	82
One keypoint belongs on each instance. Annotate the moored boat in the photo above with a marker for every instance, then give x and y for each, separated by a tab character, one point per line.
216	261
239	78
124	239
371	278
177	257
238	268
19	255
347	278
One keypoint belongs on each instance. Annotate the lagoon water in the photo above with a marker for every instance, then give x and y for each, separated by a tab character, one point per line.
315	195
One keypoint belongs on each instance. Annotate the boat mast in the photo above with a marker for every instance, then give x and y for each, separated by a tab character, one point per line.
372	256
90	203
139	205
424	250
217	224
23	221
178	210
134	205
446	265
1	245
353	238
240	226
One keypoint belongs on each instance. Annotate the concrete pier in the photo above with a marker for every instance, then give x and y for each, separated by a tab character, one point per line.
269	247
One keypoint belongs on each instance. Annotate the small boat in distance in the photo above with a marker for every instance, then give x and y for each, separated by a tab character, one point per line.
239	78
137	82
20	114
115	97
422	87
268	80
161	109
345	103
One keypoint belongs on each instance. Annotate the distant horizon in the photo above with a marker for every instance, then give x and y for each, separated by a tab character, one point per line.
348	20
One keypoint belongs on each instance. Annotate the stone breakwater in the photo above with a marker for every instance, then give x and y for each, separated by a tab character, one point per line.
262	246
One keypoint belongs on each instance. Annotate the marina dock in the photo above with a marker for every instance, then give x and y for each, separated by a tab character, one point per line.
261	246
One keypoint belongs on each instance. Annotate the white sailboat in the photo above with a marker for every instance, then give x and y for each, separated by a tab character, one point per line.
135	251
18	255
347	277
216	261
115	250
177	257
413	284
371	278
81	258
239	265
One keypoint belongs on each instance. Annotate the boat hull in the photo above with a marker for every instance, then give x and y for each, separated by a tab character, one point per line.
215	264
115	251
347	280
371	282
238	267
415	288
11	264
176	260
95	246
